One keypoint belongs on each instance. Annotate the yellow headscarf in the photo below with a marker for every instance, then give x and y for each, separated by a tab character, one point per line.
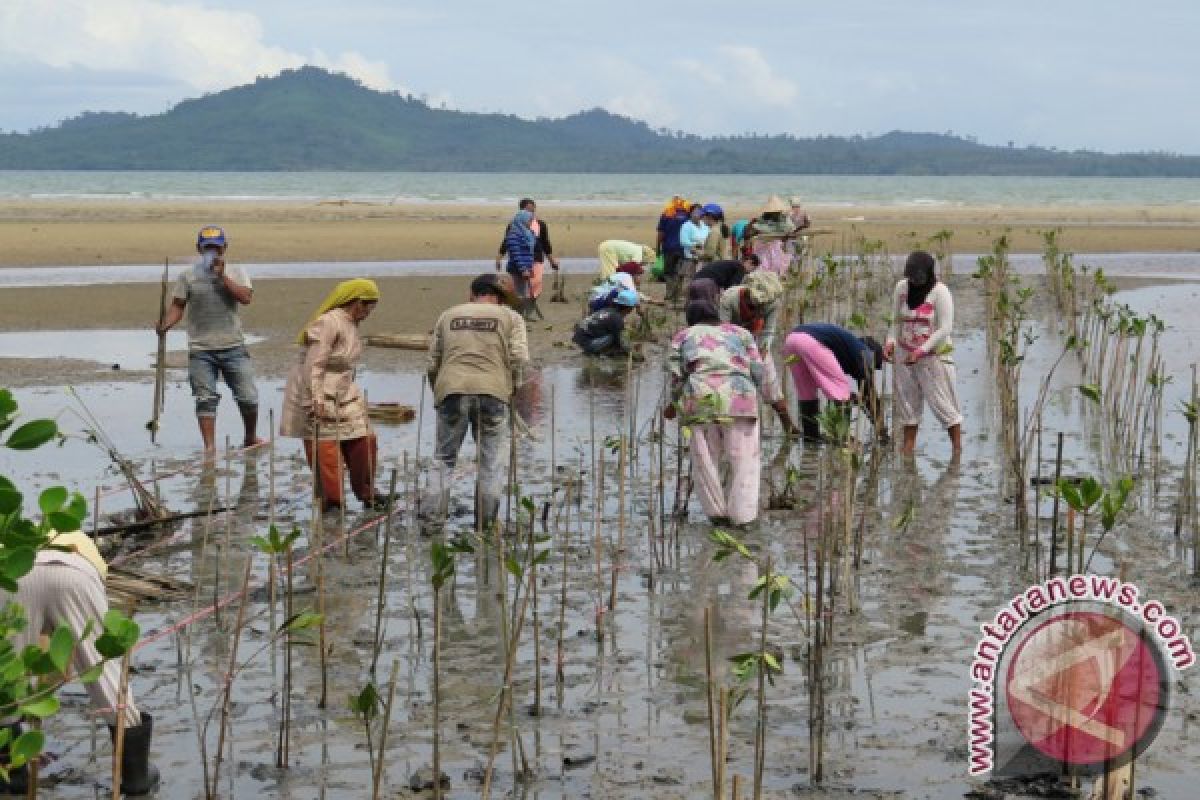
345	292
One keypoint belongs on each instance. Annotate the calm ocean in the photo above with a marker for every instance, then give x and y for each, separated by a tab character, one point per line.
505	189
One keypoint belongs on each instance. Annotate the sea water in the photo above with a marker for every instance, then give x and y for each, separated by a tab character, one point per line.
584	189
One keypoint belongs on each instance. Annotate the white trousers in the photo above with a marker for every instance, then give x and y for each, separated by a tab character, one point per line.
65	589
931	381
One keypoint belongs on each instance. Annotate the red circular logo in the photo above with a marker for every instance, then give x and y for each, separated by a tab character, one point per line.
1084	688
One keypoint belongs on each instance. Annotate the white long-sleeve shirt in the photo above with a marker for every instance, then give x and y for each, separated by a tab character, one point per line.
926	327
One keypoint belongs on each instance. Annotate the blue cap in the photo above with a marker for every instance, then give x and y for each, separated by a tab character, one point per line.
210	236
713	210
626	297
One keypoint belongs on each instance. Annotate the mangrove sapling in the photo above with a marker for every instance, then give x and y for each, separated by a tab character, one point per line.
1116	496
277	546
377	639
1081	497
365	706
441	556
772	588
505	695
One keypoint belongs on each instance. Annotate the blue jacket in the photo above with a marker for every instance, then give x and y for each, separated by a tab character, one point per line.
520	251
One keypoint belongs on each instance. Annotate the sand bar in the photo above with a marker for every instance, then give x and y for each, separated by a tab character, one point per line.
85	232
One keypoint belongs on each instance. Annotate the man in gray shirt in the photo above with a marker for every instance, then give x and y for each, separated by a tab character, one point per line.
211	292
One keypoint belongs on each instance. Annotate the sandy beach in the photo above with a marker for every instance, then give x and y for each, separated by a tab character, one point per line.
67	233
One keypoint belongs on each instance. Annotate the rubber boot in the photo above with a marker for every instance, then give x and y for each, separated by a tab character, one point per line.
138	776
809	409
18	779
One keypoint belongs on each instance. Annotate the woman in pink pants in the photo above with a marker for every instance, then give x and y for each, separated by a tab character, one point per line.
716	374
831	360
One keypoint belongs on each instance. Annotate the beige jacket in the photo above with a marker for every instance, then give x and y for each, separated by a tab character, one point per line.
324	369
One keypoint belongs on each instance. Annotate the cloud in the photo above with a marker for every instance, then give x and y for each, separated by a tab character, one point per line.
747	68
203	47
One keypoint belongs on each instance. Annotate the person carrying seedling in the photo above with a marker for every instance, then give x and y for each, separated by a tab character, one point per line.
826	357
477	357
210	291
66	588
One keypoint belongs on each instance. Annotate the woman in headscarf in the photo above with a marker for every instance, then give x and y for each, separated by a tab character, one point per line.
755	306
543	251
767	234
923	317
520	242
715	374
324	406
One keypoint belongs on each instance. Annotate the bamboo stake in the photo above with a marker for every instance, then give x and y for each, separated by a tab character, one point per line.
708	694
119	735
229	674
160	360
377	641
387	719
622	465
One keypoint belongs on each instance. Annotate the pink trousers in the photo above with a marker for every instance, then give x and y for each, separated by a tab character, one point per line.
737	442
815	367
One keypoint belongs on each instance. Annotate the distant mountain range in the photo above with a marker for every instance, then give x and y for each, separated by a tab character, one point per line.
309	119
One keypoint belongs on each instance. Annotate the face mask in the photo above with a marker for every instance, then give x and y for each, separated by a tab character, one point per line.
207	257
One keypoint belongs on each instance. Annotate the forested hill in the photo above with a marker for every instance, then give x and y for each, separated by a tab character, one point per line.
310	119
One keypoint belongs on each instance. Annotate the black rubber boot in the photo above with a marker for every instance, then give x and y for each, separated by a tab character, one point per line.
18	779
138	776
809	409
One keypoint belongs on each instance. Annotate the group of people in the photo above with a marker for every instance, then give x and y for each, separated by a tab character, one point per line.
720	368
721	364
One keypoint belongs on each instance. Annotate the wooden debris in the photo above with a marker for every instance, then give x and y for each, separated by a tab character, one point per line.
399	341
127	587
391	412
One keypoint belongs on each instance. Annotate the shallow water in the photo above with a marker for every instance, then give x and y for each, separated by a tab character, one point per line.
895	675
1176	266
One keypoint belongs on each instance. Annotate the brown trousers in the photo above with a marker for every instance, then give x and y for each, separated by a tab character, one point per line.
358	456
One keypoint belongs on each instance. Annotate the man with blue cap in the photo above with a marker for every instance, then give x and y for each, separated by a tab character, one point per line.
211	291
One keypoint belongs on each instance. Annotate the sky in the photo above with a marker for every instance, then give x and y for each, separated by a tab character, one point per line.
1101	75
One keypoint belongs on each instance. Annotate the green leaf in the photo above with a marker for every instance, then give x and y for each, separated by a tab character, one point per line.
92	675
52	499
120	634
514	567
41	708
77	508
32	434
1090	391
62	522
366	703
10	501
1090	492
16	562
62	644
772	662
26	747
301	621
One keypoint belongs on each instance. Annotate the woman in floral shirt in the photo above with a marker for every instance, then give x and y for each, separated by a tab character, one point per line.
716	374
